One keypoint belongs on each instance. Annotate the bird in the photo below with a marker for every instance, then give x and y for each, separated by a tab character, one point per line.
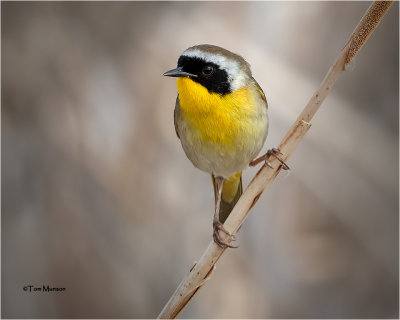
221	119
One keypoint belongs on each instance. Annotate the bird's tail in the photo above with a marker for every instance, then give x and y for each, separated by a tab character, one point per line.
231	192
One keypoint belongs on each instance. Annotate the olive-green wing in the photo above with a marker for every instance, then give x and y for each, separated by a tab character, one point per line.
177	110
260	91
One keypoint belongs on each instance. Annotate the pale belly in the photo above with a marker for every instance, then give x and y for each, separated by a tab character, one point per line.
228	155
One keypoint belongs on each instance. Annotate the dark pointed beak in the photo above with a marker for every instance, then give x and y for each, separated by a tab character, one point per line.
178	72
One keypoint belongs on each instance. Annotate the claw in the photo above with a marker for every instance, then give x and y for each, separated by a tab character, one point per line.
268	164
217	227
272	152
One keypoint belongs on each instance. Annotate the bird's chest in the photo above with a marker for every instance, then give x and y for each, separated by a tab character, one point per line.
217	120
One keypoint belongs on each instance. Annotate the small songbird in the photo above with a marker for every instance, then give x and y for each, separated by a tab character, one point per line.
221	120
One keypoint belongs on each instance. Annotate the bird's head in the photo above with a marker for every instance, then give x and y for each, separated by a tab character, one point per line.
217	69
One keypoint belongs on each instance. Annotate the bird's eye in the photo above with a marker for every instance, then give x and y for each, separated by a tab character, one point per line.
208	70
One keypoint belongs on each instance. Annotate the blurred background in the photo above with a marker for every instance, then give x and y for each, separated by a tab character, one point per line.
98	196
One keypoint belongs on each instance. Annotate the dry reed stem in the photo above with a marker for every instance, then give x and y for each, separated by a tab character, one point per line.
202	271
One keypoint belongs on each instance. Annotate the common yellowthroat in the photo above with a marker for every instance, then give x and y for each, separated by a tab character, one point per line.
221	120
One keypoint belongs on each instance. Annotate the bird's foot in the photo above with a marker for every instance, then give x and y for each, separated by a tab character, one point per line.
217	227
271	152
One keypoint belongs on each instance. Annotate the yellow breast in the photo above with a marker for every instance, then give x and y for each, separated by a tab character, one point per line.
218	119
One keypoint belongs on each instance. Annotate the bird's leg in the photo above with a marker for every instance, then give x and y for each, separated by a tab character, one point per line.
217	225
271	152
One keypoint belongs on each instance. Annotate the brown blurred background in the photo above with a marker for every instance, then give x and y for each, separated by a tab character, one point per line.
98	196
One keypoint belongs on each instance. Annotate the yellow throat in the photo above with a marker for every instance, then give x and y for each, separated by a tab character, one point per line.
218	118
